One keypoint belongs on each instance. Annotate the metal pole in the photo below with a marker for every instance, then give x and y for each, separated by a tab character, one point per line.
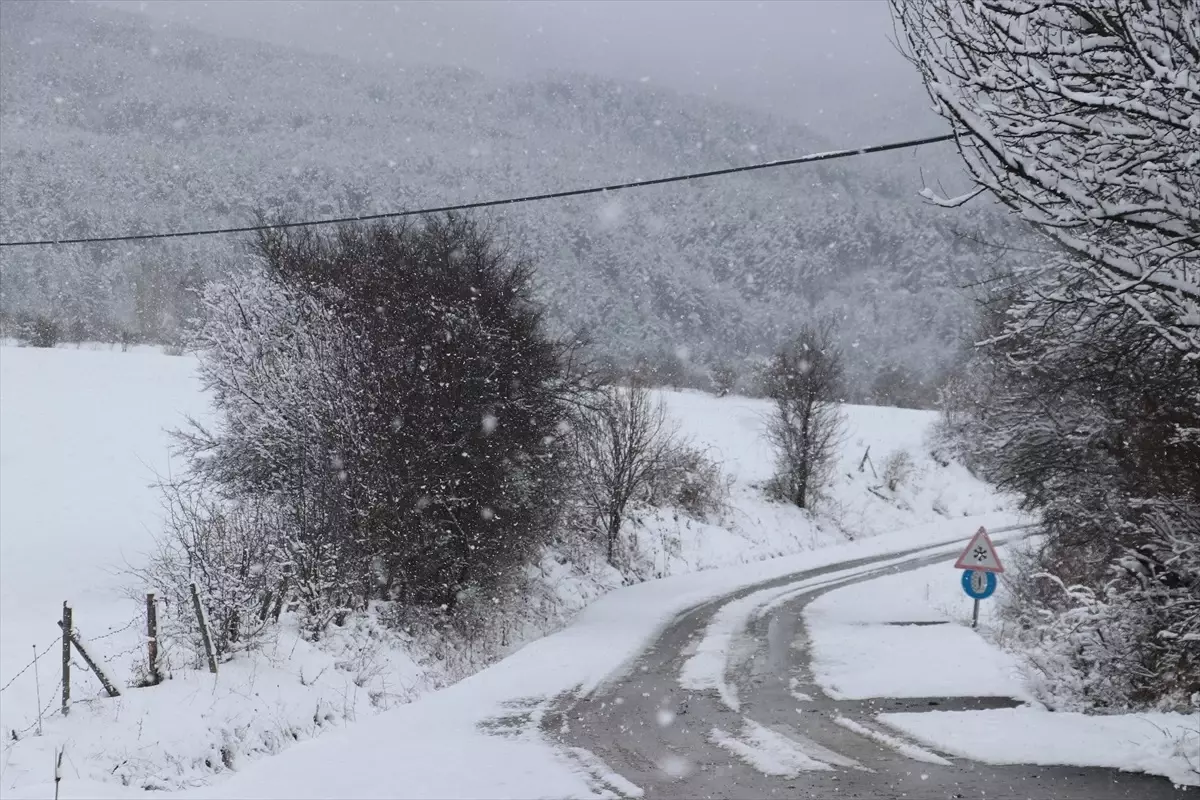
975	616
37	683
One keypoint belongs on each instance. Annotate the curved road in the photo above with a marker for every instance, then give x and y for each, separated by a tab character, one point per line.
657	736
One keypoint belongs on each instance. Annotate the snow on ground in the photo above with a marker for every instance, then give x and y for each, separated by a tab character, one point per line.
490	720
1156	743
857	653
604	774
194	725
709	665
766	750
866	640
899	745
732	429
82	438
416	750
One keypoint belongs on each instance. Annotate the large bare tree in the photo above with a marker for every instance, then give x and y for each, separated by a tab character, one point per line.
1083	116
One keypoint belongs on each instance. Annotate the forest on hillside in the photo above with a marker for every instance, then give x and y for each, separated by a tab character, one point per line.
160	128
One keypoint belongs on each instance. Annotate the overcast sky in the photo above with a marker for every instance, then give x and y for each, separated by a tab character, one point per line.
829	63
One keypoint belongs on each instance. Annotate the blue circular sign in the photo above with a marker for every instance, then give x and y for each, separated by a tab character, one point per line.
978	585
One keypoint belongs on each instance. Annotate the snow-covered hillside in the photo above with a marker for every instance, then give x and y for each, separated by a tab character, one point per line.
82	437
144	135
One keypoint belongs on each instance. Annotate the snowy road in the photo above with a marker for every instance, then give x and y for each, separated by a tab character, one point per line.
767	729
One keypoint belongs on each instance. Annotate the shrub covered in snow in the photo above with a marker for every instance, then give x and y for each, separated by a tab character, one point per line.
724	378
897	469
1093	418
234	551
1132	640
391	396
39	331
692	482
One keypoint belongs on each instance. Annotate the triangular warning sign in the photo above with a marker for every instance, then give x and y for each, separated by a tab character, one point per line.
980	555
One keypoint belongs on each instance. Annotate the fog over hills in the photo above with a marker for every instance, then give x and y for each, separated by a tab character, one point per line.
114	122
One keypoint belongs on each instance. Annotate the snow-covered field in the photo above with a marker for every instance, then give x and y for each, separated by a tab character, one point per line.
859	651
81	441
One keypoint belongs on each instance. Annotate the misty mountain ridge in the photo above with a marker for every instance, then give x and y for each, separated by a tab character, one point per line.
111	124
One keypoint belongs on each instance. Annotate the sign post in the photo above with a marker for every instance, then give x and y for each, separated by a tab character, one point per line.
980	565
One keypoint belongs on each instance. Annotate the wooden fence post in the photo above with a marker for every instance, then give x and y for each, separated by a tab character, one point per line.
866	459
205	634
65	624
109	685
152	637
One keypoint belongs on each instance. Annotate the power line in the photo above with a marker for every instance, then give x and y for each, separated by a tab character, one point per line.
510	201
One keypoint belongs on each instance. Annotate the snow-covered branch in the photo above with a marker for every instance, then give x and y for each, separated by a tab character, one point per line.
1083	116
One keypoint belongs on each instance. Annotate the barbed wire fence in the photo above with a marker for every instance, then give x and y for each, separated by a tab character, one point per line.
30	665
94	662
44	713
138	618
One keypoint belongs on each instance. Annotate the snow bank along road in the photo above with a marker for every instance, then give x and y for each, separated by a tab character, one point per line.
697	685
724	704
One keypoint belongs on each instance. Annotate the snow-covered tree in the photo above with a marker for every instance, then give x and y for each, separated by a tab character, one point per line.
1092	419
393	388
724	378
1083	117
806	425
145	138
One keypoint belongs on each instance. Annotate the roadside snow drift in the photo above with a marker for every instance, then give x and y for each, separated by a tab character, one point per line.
892	637
862	648
1160	744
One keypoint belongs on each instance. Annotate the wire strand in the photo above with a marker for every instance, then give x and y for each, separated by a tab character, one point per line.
115	631
46	713
30	664
510	201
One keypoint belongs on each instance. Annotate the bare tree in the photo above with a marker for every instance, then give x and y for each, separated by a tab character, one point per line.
805	428
1080	115
623	441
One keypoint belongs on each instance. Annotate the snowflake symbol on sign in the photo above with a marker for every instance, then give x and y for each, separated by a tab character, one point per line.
980	553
